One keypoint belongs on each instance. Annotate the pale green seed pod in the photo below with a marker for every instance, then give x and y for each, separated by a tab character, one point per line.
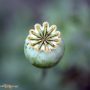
44	47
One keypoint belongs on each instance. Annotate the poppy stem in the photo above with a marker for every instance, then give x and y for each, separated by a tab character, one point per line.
43	74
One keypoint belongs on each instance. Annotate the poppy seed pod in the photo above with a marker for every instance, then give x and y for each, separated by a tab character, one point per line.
44	46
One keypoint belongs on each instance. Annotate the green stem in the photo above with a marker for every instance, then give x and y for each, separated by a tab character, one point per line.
43	74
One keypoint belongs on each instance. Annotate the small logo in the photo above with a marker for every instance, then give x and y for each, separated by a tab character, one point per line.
8	86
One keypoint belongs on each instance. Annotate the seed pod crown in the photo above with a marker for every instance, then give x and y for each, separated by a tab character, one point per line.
44	38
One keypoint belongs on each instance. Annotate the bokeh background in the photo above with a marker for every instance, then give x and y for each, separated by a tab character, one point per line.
72	18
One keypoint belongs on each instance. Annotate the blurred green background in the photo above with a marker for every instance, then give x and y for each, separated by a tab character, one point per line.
72	18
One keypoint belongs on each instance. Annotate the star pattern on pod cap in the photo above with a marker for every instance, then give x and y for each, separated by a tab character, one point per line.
44	38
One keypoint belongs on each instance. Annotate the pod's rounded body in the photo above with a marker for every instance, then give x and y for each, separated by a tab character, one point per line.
44	59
